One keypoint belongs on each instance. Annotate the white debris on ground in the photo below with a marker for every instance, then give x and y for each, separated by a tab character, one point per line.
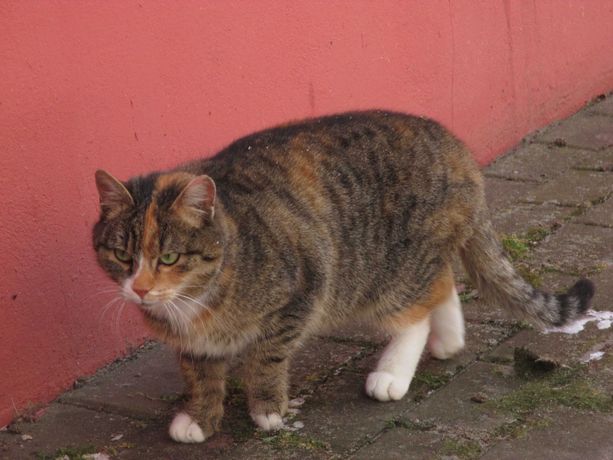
594	356
96	456
292	412
297	425
26	437
296	402
116	437
603	321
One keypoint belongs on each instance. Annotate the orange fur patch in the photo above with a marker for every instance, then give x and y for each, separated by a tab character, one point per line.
151	233
177	178
439	291
145	280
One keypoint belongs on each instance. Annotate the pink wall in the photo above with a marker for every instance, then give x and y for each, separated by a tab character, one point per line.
135	85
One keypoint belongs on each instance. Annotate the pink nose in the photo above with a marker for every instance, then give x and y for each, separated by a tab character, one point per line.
141	292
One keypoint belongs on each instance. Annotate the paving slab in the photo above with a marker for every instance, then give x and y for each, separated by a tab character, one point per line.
584	130
570	436
601	160
283	445
319	358
544	162
603	299
604	107
454	406
356	332
154	443
560	348
577	248
403	444
72	429
504	193
520	218
601	214
145	387
575	188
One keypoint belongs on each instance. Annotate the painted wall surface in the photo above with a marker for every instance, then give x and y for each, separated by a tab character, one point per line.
135	85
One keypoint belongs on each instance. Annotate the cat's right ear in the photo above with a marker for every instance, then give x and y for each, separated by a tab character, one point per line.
114	196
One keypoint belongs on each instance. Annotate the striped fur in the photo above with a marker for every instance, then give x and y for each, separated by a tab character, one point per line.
350	216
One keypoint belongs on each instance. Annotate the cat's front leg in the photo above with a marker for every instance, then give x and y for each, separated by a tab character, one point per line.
205	387
266	372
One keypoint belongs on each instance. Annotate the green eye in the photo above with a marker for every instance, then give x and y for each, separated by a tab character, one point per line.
170	258
122	255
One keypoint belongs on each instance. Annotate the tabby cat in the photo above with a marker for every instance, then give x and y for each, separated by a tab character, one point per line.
356	215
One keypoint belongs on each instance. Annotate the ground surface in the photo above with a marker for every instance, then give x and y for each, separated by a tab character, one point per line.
513	393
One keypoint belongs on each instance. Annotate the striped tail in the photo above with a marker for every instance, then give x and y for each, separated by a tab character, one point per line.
497	281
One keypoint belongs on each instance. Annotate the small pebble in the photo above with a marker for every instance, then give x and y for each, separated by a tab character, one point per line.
478	398
26	437
116	437
298	425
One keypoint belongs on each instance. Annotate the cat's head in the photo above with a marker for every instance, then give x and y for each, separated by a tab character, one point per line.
158	237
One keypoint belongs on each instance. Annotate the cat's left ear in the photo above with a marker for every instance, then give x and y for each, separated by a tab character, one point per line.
196	199
114	196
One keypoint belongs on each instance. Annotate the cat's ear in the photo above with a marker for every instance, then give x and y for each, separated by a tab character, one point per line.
196	199
114	196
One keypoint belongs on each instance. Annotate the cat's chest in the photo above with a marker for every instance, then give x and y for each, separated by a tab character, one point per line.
217	333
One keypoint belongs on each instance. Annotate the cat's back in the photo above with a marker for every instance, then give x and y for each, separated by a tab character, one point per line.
349	150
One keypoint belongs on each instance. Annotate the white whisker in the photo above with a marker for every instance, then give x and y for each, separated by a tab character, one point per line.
193	310
100	292
183	296
107	306
118	318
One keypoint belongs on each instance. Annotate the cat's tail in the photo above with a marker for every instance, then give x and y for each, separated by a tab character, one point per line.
498	282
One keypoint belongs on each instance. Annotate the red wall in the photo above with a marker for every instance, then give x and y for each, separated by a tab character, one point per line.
135	85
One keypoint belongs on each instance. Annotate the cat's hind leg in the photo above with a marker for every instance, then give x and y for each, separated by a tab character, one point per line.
395	369
447	328
410	329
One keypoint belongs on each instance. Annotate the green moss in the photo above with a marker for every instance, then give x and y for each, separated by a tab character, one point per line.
564	387
241	428
467	296
519	427
173	397
518	246
431	381
72	452
515	247
464	449
498	360
535	235
292	440
400	422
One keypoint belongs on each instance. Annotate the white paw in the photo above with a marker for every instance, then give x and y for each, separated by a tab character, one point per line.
268	422
185	429
384	386
445	349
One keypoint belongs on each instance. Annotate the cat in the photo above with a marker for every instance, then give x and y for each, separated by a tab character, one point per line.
305	225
